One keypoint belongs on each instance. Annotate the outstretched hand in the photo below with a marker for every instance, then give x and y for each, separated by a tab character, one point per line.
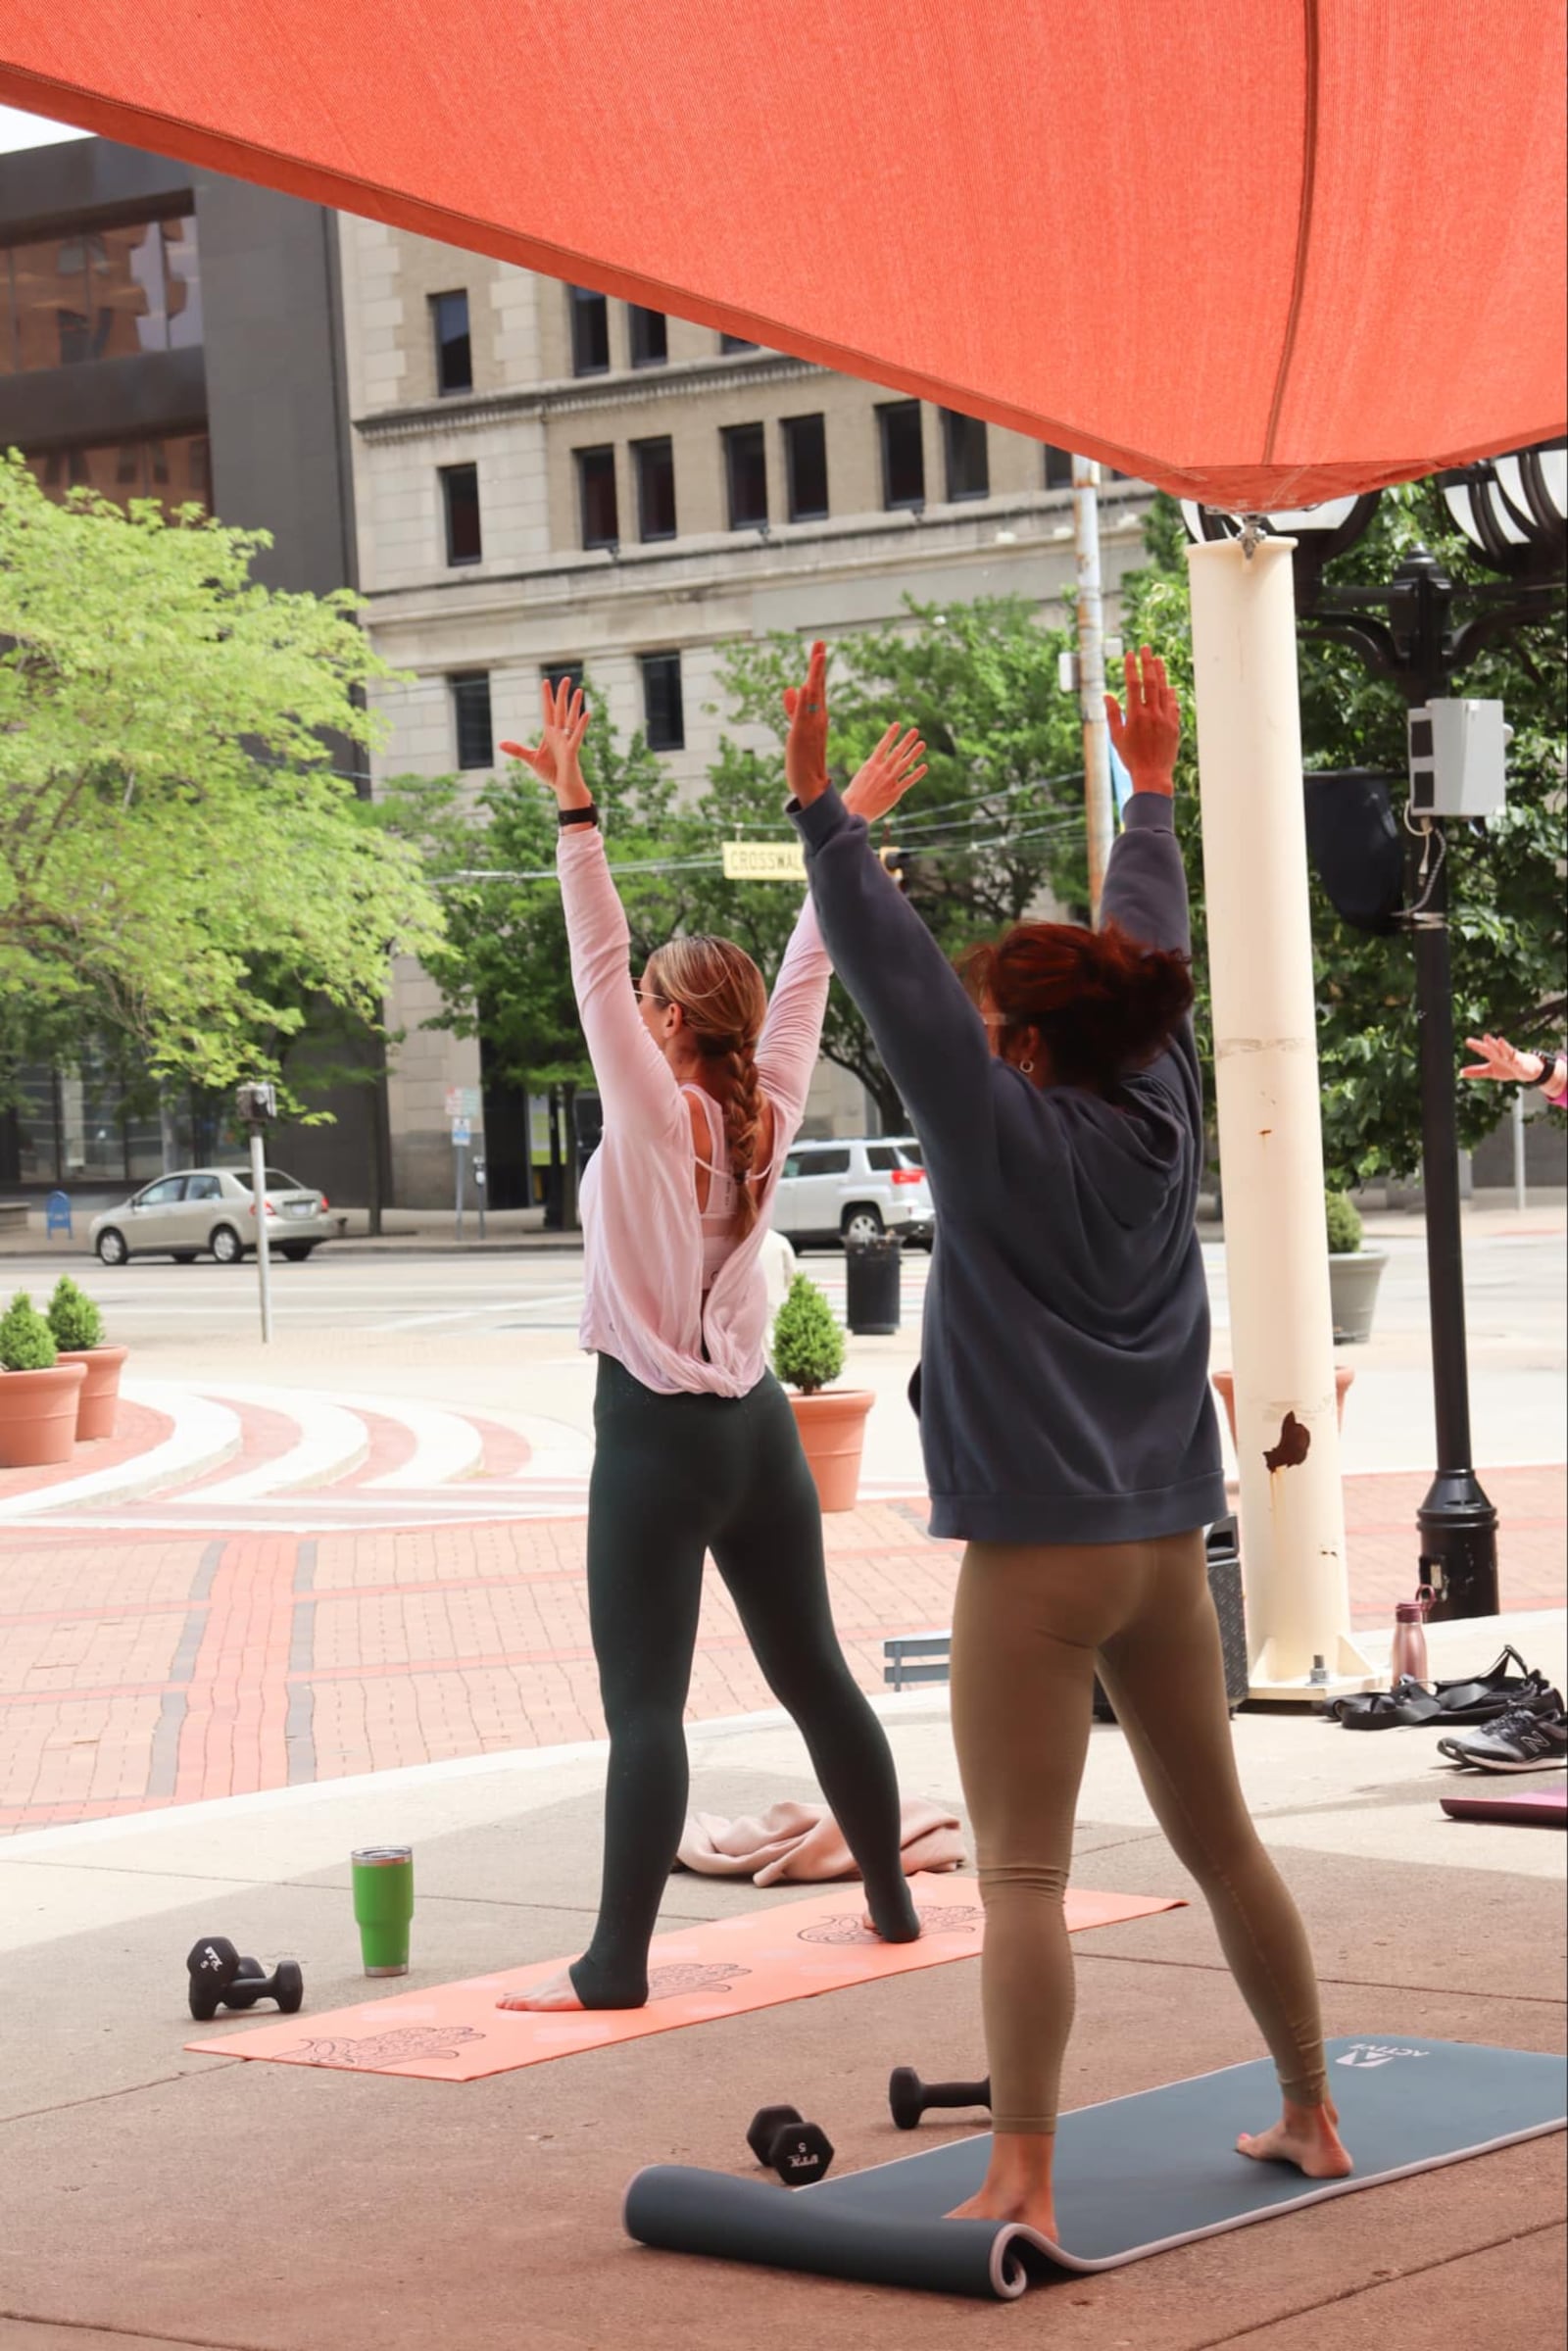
1147	739
1501	1061
882	780
554	759
805	744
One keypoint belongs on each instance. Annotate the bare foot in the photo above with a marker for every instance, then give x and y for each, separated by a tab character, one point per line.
1017	2186
1307	2136
1037	2211
558	1993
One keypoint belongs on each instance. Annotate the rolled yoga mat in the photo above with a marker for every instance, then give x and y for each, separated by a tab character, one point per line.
1535	1807
1134	2177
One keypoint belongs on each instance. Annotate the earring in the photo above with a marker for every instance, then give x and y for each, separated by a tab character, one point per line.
1026	1069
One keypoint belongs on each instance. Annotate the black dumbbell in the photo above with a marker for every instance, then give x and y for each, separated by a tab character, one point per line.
909	2097
799	2151
219	1977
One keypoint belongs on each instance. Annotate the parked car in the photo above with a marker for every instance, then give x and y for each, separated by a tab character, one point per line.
852	1190
211	1210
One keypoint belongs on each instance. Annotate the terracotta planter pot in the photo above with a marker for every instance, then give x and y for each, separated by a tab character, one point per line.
1225	1388
832	1426
99	1400
38	1416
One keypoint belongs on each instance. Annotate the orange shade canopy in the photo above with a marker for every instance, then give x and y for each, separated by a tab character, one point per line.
1262	252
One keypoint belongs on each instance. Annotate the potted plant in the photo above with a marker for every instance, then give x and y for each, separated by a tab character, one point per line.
37	1392
807	1354
1355	1272
79	1334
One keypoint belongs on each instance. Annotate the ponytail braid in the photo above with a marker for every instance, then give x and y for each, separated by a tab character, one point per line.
743	1126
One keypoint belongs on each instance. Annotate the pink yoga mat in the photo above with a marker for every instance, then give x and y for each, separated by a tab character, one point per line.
1544	1807
723	1966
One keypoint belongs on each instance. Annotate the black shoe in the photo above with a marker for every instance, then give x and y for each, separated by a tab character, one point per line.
1522	1741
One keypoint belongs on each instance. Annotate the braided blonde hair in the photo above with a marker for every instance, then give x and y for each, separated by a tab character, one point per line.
721	996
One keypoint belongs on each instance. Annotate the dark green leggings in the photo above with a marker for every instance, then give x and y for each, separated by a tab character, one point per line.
674	1478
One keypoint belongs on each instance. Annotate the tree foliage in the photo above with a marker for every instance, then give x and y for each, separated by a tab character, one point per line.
1507	907
182	871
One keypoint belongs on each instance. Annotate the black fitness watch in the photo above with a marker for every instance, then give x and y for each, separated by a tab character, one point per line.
587	816
1549	1070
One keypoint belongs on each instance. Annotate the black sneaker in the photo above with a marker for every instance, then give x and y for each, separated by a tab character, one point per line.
1522	1741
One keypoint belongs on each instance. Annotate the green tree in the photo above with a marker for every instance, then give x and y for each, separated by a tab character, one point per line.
181	868
1507	910
995	825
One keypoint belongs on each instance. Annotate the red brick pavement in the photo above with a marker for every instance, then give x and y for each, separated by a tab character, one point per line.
142	1669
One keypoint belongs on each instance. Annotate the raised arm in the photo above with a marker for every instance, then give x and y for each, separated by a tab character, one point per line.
926	1030
792	1033
1145	891
634	1080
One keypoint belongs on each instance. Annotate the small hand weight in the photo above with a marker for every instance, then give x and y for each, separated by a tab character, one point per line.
799	2151
220	1978
909	2097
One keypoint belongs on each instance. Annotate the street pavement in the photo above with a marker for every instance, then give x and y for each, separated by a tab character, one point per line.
331	1594
362	1548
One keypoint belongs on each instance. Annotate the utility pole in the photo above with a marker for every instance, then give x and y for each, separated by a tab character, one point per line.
1098	806
257	1105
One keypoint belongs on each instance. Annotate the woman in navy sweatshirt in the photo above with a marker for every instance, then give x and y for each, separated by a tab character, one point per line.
1065	1415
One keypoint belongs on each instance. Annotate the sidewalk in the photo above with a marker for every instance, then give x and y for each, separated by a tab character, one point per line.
146	1665
155	2197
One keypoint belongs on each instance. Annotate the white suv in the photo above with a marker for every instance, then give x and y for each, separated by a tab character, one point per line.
852	1190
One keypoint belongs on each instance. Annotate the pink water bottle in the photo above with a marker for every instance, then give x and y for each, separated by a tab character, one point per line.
1409	1656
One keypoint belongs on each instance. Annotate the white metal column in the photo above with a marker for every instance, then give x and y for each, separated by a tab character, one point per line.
1270	1136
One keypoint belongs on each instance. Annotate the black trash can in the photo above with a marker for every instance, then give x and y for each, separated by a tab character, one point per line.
871	1286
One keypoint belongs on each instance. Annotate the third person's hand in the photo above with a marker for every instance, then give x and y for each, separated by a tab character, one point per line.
882	780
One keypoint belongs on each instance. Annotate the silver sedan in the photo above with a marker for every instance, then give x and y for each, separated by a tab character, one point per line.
211	1210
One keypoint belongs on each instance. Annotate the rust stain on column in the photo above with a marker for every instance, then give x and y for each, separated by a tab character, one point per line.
1295	1443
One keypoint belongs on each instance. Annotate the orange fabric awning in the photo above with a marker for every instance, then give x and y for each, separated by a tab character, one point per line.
1262	252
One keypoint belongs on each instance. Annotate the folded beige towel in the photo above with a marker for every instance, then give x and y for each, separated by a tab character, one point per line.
791	1843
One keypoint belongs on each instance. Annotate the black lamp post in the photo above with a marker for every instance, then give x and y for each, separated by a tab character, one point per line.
1420	631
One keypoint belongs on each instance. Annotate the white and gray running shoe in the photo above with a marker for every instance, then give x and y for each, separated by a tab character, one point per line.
1521	1740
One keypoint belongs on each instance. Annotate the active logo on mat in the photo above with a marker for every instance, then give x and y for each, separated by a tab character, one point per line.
1376	2052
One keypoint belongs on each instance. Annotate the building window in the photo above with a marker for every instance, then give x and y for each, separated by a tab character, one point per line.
454	346
662	708
555	673
805	468
1058	467
102	293
175	470
470	719
968	462
736	343
746	471
460	498
596	490
590	332
902	453
655	462
649	334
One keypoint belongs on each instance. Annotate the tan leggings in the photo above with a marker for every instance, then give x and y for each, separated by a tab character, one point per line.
1030	1625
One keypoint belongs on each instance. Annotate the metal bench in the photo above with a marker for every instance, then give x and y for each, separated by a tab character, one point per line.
916	1657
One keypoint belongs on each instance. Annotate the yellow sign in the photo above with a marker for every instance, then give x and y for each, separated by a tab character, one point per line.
764	862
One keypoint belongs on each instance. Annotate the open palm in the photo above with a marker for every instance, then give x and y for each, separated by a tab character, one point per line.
553	758
882	780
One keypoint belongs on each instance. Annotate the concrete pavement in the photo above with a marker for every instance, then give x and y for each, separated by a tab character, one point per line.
155	2195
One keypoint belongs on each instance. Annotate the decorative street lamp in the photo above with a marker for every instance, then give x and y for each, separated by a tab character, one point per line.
1420	631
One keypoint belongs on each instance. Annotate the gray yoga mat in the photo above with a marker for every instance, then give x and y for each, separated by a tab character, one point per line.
1133	2176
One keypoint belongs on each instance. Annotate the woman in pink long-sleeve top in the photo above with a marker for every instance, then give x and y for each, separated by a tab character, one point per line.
703	1084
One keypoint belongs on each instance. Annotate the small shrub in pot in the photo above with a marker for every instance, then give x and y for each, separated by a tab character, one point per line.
27	1342
1344	1224
807	1344
73	1319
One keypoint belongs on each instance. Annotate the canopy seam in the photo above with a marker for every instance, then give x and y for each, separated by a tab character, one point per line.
1313	32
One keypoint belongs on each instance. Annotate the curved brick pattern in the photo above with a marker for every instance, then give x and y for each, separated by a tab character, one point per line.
142	1667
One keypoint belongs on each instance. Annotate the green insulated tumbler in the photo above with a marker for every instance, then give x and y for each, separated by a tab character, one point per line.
383	1905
